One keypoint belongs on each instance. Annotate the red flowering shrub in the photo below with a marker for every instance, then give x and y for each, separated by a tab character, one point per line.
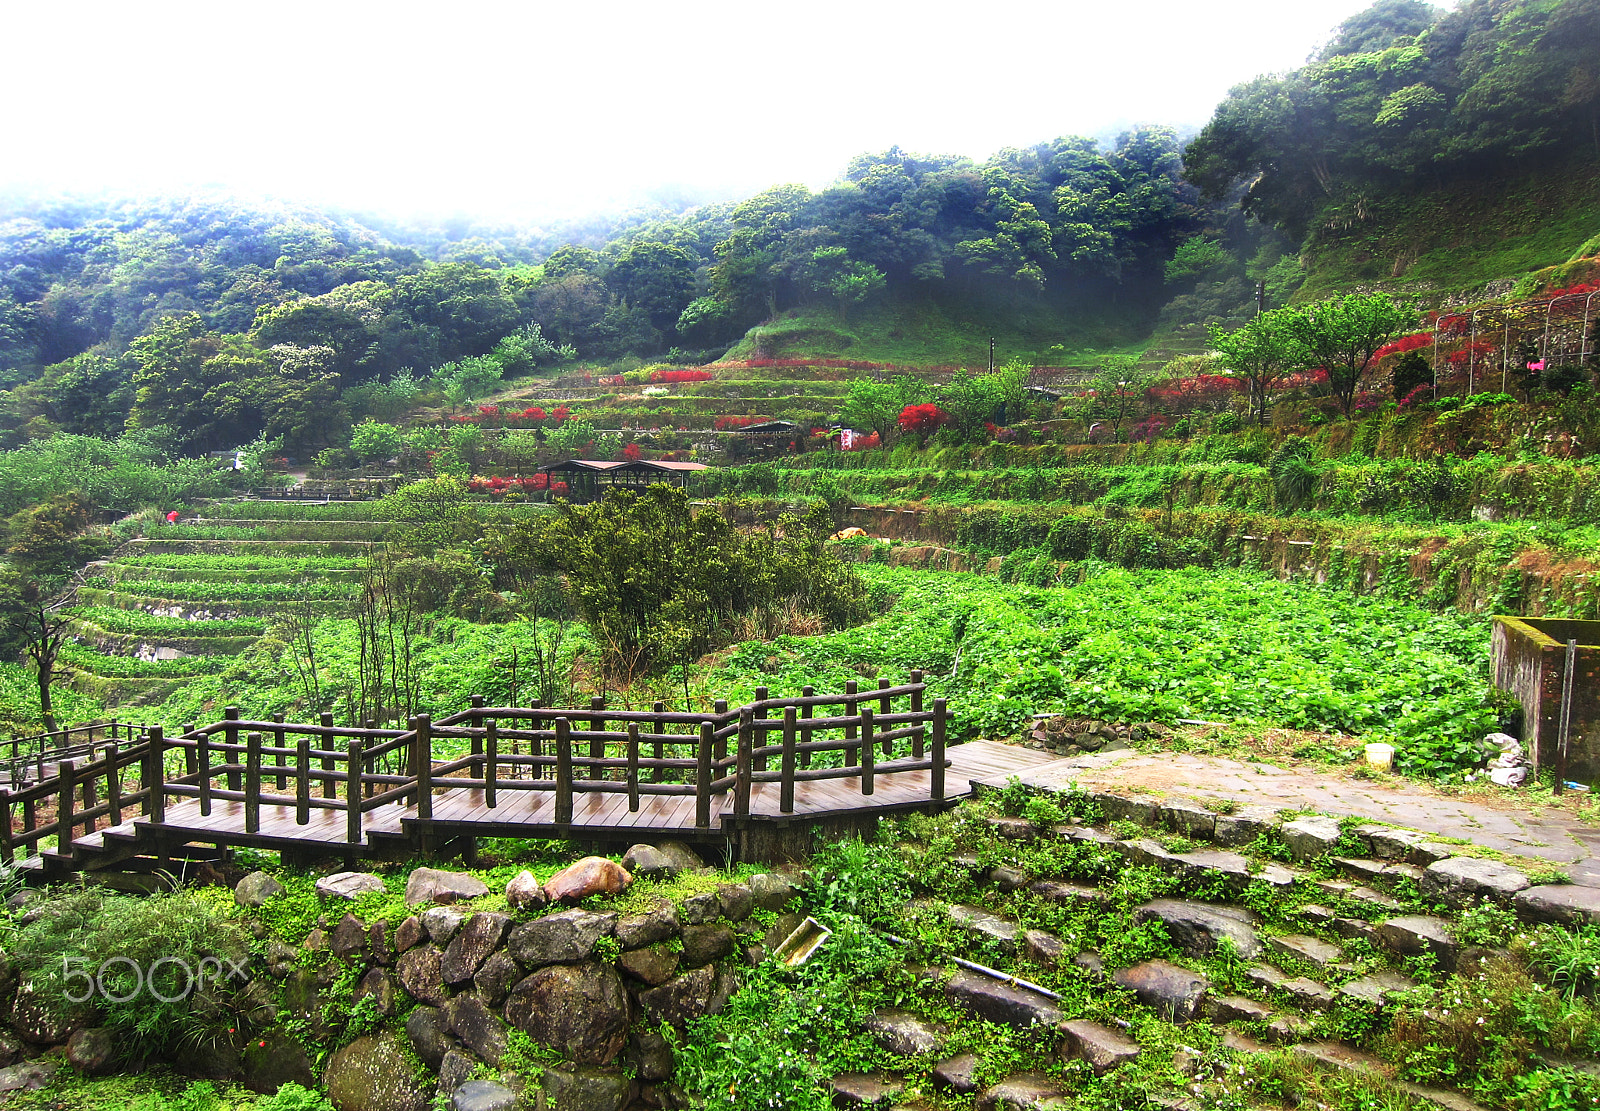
632	453
681	376
728	424
866	443
1404	344
922	419
1203	391
1416	397
1150	428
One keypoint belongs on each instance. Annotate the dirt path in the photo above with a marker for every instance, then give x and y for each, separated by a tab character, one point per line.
1548	834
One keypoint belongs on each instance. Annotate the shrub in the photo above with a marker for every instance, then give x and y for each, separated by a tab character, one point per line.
166	938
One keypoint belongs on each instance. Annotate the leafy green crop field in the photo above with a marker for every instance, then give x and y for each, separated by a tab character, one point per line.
144	624
1214	645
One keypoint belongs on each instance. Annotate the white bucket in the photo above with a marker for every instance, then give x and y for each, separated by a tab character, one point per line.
1380	756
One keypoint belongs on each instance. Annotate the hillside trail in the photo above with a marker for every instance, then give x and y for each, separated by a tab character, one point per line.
1497	821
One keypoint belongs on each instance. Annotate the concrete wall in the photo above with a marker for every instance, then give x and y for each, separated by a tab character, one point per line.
1529	660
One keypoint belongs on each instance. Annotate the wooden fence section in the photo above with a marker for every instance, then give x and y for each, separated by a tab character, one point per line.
488	771
26	760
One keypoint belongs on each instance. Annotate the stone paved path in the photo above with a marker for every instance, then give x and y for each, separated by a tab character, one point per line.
1550	835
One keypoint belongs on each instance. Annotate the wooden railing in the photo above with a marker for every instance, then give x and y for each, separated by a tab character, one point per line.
277	767
30	759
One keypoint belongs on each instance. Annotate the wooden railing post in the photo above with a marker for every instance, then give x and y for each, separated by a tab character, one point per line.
156	773
702	776
7	853
277	742
868	751
597	745
89	797
252	783
657	749
330	786
491	768
849	730
113	785
720	707
354	762
741	771
202	771
760	739
424	767
633	767
884	702
302	782
786	780
67	785
563	772
936	787
230	737
916	708
806	711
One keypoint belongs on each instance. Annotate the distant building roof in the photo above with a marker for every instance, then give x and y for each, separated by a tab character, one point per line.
771	426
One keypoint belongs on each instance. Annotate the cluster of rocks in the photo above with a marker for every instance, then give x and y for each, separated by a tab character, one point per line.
594	987
1069	736
1285	978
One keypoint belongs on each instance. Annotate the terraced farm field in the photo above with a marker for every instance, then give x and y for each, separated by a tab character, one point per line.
185	599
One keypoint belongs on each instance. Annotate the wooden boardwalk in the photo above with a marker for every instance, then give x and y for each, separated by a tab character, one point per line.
620	776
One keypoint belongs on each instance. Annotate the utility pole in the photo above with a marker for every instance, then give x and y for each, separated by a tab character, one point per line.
1261	296
991	354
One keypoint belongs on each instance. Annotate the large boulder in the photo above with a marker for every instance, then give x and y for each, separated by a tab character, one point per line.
419	974
378	984
704	944
479	1028
1028	1091
525	893
1196	928
472	945
1564	903
255	889
772	891
1311	837
579	1010
652	965
349	885
1000	1001
435	885
38	1022
27	1077
1174	993
1413	934
987	926
373	1074
1460	880
497	977
585	1089
593	875
429	1031
349	938
442	923
681	998
92	1050
409	933
649	862
273	1060
904	1034
1102	1047
483	1095
566	937
657	924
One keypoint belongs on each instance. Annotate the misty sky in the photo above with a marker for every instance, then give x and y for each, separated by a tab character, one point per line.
530	111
